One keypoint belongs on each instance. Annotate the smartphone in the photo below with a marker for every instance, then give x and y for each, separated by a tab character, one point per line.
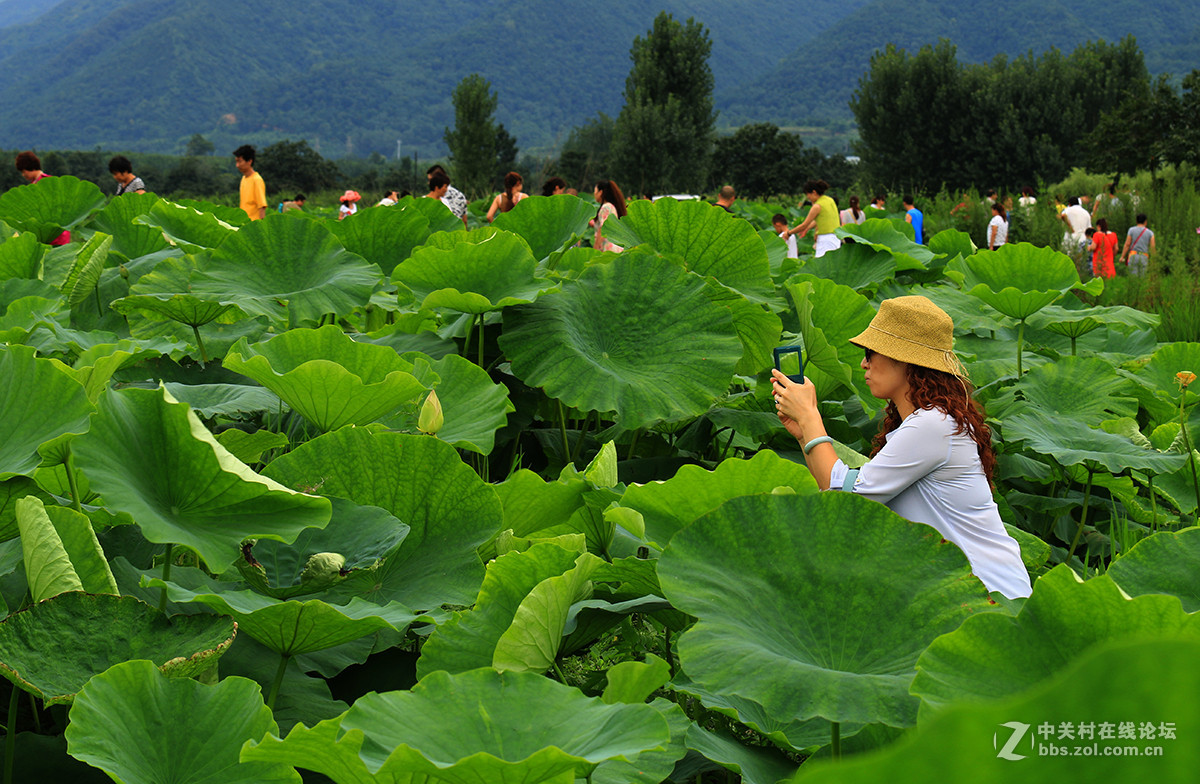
789	360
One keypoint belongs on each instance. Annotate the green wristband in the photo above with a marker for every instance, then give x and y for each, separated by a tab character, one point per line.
816	441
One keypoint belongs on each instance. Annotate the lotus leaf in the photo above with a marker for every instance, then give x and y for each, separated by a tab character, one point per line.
637	336
829	315
482	725
951	243
60	406
711	242
856	265
964	742
383	237
532	504
328	377
1018	279
650	767
21	257
211	400
1165	563
1074	323
52	648
298	261
757	328
469	639
61	551
634	682
548	224
435	211
999	655
754	764
423	482
967	312
667	507
130	239
50	205
1169	359
1072	443
84	275
881	234
475	277
139	726
301	698
165	293
288	627
150	456
11	492
185	226
831	636
1085	390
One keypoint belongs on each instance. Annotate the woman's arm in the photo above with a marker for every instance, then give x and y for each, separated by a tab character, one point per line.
992	229
491	213
796	405
1125	248
810	220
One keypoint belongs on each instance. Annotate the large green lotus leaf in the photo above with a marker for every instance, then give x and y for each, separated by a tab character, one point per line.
50	205
711	242
757	327
881	234
838	623
548	224
299	261
1074	323
638	336
131	240
288	627
531	504
657	765
164	292
11	492
150	456
668	506
28	420
52	648
467	728
754	764
121	717
328	377
964	742
830	314
249	447
1018	279
473	277
1071	442
468	640
1167	562
1168	360
84	275
228	213
421	480
356	538
634	681
211	400
383	237
856	265
21	257
951	243
1083	389
61	551
435	211
217	336
967	312
186	227
999	655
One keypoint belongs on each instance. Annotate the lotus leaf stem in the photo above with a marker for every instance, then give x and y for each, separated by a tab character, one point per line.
72	482
200	345
1087	500
467	342
480	340
728	443
1153	507
275	684
633	443
667	650
1187	444
562	426
1020	345
37	719
1073	339
99	307
558	671
835	739
587	420
167	558
10	735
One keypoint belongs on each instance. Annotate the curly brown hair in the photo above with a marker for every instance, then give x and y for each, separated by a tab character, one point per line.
952	396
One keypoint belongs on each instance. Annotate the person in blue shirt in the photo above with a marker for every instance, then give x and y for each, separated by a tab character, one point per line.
916	218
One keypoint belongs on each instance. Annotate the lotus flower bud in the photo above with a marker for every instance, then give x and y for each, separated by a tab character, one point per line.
323	568
431	419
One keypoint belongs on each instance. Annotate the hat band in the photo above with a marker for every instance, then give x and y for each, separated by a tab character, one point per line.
910	340
953	364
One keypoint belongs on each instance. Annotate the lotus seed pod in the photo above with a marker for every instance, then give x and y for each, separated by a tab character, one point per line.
323	568
431	419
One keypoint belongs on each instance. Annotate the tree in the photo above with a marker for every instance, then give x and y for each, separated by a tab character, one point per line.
289	166
759	160
198	145
472	143
506	152
663	136
585	153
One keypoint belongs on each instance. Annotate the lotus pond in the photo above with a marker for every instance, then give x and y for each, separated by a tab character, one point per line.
386	500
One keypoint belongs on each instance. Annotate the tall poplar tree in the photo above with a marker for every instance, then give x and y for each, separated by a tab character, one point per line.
472	143
663	136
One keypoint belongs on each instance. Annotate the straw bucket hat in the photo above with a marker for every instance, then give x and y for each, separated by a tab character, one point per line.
913	330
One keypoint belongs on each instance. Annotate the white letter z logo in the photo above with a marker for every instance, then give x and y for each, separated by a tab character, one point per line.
1019	731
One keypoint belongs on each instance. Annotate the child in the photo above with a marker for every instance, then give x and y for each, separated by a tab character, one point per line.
781	228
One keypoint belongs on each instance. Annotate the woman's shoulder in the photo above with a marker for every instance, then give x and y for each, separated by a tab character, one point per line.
931	419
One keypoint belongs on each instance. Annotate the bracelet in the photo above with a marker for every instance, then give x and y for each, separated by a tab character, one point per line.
816	442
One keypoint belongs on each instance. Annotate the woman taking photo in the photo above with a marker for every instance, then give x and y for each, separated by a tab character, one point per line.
507	200
823	215
612	203
997	229
932	460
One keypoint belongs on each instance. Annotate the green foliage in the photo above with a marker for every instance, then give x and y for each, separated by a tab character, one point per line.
474	143
761	161
198	145
294	166
662	136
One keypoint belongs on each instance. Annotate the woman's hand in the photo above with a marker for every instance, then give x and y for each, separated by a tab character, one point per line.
796	405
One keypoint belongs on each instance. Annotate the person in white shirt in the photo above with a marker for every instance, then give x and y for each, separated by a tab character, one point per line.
1078	222
997	228
933	458
781	228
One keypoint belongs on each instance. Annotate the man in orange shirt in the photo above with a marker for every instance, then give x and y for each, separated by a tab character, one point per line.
253	189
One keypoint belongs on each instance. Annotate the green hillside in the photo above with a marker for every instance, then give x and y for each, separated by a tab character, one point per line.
815	82
349	77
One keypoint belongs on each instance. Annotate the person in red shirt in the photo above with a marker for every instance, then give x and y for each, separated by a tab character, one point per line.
30	167
1104	249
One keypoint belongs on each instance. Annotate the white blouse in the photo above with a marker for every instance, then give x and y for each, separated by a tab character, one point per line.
1001	227
929	474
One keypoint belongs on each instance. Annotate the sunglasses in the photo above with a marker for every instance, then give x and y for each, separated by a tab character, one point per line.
869	353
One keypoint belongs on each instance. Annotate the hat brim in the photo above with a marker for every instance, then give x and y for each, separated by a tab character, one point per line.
902	350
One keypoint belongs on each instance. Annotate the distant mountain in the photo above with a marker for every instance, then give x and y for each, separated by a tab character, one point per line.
350	77
814	83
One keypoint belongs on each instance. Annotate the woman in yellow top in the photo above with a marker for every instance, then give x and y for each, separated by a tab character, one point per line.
823	215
